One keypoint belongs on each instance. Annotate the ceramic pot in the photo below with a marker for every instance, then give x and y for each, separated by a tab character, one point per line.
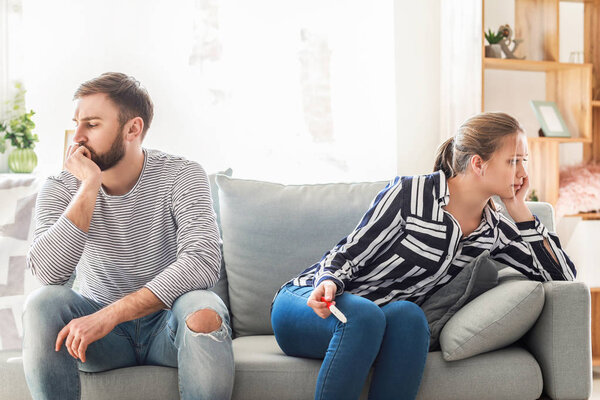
22	160
493	51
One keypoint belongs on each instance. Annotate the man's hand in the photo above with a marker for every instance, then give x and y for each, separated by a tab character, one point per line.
516	206
81	332
79	163
326	289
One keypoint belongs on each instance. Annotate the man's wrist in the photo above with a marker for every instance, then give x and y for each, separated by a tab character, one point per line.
91	185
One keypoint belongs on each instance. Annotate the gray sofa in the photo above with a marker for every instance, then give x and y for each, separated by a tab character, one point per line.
270	233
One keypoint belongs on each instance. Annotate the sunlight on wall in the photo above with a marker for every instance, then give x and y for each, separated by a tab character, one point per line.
295	91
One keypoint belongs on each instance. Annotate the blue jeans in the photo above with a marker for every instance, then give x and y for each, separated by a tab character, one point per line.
394	339
205	361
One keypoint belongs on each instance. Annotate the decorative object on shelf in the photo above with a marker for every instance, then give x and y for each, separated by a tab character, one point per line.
552	122
579	189
576	57
17	127
507	33
533	196
493	49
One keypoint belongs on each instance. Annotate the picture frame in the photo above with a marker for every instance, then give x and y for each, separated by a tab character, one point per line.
550	119
69	135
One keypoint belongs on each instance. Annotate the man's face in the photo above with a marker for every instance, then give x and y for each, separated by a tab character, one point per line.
99	130
507	168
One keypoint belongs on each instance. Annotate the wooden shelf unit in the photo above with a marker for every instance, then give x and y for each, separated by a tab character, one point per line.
572	86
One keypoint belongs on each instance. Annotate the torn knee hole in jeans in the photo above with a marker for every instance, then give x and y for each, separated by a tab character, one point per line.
203	324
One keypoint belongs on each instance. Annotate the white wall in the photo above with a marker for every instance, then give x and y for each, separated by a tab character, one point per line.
417	25
71	41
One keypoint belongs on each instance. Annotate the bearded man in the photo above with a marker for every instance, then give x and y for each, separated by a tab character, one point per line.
138	229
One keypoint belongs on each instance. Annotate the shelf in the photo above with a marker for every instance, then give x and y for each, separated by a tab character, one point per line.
589	216
559	139
528	65
595	103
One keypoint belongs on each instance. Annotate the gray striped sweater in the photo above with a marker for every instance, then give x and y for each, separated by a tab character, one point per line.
161	235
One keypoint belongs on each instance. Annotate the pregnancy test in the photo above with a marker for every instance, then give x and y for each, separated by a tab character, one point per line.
335	311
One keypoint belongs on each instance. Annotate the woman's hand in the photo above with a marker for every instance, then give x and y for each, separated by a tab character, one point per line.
516	206
326	289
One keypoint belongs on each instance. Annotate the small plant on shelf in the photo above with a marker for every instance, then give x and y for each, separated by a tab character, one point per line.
493	37
17	126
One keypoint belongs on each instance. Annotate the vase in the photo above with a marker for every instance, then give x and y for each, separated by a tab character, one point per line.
22	161
493	51
4	156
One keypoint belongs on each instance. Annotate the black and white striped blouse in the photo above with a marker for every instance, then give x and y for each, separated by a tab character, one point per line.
407	246
161	235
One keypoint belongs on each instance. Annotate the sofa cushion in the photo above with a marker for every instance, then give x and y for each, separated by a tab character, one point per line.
220	287
493	320
475	278
18	194
272	232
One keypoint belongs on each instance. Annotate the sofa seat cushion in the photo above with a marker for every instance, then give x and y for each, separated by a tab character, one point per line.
263	371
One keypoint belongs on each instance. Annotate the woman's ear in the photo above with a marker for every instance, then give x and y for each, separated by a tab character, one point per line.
478	165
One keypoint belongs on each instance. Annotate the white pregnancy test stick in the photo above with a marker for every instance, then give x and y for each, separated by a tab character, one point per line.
335	311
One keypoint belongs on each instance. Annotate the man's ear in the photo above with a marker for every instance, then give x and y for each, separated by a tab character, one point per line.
478	165
134	128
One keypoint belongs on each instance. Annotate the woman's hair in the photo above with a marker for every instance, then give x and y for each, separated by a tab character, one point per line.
482	135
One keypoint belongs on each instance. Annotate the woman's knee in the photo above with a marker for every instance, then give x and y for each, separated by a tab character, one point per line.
407	315
364	314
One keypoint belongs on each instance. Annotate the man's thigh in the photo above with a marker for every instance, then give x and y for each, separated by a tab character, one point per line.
50	308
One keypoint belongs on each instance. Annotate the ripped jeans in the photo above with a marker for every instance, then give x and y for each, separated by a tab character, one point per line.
205	361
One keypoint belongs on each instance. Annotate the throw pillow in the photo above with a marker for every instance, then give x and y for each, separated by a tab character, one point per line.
18	194
475	278
495	319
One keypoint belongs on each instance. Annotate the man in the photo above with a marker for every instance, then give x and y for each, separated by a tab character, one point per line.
138	228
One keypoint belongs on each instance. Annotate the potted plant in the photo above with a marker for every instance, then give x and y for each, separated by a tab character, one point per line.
17	128
493	49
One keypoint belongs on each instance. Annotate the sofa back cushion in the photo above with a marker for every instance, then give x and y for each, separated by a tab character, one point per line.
272	232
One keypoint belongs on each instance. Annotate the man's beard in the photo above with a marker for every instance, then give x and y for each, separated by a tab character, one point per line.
112	156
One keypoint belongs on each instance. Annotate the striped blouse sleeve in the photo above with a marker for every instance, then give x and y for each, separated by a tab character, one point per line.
380	224
57	243
198	243
521	246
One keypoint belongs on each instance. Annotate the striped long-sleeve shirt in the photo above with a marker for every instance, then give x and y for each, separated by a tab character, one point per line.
161	235
407	246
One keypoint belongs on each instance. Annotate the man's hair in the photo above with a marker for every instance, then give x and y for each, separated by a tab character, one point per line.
125	92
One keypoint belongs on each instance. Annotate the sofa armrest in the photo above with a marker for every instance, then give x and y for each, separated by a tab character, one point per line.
560	340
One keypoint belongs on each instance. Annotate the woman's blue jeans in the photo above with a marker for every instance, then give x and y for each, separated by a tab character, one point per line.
394	339
205	361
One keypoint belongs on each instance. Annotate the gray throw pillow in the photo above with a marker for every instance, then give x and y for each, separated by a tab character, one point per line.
497	318
475	278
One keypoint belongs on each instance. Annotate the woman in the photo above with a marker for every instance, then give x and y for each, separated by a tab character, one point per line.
416	236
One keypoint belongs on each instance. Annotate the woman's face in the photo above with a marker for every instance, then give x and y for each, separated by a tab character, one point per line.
505	172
